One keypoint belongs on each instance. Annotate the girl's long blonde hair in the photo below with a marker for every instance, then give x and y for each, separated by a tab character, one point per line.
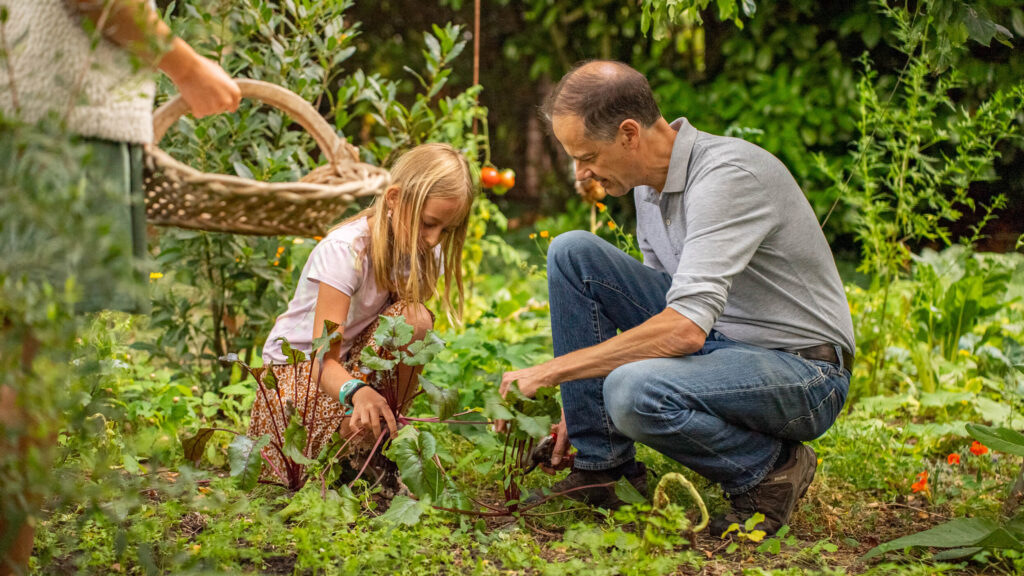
434	170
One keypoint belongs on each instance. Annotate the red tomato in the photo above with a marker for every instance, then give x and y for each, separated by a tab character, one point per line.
508	178
489	176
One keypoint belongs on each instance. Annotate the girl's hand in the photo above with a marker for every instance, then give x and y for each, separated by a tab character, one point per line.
368	407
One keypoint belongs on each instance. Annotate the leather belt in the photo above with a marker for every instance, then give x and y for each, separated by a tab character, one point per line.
825	353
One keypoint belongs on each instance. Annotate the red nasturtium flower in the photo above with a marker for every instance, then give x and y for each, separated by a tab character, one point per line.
921	484
978	448
953	459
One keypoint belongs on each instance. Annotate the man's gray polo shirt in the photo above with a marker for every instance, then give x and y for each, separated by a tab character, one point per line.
743	245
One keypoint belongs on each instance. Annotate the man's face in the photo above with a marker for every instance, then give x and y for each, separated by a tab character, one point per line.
607	162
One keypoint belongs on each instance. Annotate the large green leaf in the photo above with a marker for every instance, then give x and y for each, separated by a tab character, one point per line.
307	506
293	355
477	431
368	358
413	451
444	401
392	332
628	493
494	406
195	445
405	511
423	351
295	442
246	461
269	379
955	553
322	343
998	439
536	426
1003	539
959	533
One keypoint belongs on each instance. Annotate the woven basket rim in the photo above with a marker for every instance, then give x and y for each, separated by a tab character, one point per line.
304	191
187	190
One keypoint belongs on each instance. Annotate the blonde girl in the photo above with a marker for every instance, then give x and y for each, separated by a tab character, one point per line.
386	260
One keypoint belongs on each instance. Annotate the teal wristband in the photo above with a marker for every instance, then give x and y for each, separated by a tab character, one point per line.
347	390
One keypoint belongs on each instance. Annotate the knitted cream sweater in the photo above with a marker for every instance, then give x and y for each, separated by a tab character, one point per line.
56	70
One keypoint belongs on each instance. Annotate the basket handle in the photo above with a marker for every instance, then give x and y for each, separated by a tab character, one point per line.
281	98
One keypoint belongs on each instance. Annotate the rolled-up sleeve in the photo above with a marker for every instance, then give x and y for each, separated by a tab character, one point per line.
728	214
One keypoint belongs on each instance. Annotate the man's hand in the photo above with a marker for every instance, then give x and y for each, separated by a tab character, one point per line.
368	409
562	445
529	380
202	83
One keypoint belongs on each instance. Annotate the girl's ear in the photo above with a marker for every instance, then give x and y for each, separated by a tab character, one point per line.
391	197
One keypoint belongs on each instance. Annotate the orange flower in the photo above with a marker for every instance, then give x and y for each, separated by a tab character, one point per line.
611	225
544	234
600	207
922	483
953	459
978	448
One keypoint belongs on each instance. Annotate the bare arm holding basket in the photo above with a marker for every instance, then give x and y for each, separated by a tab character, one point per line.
136	27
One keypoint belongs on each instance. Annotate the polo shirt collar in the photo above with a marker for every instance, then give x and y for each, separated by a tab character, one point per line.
680	160
678	163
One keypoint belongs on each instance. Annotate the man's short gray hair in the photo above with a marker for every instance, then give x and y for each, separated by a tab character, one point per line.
603	93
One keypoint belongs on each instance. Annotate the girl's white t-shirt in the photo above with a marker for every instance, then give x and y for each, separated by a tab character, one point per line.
341	260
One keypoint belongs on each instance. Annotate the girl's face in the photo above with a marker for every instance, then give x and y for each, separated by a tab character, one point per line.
439	215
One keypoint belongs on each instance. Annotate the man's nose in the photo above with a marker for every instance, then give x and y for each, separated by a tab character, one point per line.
583	172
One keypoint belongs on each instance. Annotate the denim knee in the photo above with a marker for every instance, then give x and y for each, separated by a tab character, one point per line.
569	247
628	400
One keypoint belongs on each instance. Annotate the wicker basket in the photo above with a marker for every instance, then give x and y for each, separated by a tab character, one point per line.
178	195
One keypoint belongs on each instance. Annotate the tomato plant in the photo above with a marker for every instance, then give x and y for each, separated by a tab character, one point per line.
489	176
508	178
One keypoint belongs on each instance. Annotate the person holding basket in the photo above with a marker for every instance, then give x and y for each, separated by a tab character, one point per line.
88	64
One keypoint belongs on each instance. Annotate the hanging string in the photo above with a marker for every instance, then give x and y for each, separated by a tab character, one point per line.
476	52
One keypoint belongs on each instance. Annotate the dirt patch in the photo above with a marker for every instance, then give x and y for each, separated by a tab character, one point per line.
279	565
192	524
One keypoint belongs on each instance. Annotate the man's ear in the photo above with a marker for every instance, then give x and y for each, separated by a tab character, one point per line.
629	131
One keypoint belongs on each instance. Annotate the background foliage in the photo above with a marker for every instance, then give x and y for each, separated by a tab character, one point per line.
900	122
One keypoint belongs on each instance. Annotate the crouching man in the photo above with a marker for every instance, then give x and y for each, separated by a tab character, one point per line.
731	344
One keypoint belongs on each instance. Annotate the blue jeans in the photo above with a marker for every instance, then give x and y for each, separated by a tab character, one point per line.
724	412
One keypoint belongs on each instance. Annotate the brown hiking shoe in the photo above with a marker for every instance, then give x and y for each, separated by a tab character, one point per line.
775	496
600	496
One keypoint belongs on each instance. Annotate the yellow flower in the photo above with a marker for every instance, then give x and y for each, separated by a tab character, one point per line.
544	234
820	460
611	225
298	241
156	275
963	352
532	236
600	207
